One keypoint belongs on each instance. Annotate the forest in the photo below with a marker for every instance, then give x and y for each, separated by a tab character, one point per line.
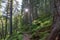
29	19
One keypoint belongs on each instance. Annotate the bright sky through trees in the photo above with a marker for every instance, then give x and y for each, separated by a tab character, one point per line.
20	2
4	4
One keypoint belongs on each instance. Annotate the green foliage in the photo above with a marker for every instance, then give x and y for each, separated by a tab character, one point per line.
15	36
41	24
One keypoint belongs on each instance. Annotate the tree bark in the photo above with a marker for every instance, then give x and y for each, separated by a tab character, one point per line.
11	9
56	21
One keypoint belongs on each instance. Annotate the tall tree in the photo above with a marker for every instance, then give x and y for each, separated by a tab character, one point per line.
55	5
11	9
7	7
2	28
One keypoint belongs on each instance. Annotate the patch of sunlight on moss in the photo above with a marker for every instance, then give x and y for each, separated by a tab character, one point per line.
18	32
7	37
42	24
46	22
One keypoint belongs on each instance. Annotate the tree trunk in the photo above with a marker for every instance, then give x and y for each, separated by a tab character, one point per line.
2	28
11	9
56	21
